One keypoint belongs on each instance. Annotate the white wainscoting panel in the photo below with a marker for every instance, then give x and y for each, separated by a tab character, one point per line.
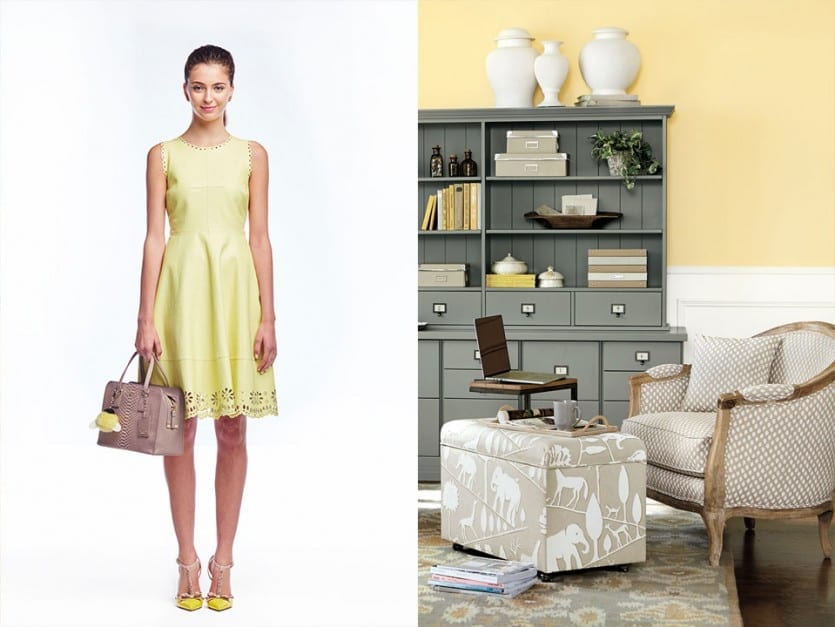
741	301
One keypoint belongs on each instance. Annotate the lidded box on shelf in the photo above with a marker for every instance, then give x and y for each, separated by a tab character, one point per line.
617	267
442	274
514	164
533	141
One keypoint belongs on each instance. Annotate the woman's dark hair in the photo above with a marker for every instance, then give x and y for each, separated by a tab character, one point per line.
211	54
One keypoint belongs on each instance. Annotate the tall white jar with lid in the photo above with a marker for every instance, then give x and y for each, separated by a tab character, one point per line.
609	63
510	68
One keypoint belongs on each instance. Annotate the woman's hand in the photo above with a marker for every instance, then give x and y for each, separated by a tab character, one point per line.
147	341
265	346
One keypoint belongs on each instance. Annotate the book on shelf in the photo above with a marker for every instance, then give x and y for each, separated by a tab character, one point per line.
511	280
466	197
607	100
459	206
489	570
431	201
474	206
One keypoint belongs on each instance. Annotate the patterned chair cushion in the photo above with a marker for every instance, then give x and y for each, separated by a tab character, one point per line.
725	365
801	356
678	441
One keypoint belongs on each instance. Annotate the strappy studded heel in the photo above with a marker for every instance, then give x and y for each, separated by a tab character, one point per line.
189	600
214	600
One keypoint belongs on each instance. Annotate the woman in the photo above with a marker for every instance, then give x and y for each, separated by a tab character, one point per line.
206	305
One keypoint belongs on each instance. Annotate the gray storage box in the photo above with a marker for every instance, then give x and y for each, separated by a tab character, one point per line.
513	164
442	275
537	142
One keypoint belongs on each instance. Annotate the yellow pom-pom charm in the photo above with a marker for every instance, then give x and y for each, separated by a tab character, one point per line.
107	421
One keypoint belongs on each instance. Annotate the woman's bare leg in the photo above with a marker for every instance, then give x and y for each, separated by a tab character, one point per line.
180	475
230	475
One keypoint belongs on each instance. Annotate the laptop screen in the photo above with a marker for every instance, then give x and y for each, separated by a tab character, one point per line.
492	345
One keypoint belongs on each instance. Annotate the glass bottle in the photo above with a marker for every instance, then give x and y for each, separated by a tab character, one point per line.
468	166
453	165
436	162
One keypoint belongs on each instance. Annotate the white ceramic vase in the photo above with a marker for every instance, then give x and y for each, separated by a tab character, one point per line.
609	63
510	68
550	69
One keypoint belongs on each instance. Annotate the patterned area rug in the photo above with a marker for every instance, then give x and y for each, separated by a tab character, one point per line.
675	586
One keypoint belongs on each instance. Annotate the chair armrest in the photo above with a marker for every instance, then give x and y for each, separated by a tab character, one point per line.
661	388
788	440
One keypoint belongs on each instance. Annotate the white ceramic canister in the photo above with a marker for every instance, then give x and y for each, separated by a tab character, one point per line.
550	69
609	63
510	68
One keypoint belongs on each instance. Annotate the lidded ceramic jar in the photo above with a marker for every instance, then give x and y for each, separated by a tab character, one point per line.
609	63
509	265
550	278
510	68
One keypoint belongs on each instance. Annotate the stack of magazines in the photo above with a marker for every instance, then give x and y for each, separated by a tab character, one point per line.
483	575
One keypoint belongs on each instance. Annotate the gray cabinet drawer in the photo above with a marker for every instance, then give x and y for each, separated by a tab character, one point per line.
616	412
624	355
581	358
639	309
455	408
429	359
429	426
462	354
551	308
452	307
616	386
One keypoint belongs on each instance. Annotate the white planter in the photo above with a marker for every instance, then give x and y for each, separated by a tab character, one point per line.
510	68
609	63
550	69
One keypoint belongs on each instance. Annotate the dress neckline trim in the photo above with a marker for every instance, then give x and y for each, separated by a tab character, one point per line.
196	147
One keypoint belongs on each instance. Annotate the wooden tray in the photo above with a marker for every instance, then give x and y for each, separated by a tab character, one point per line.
574	222
596	426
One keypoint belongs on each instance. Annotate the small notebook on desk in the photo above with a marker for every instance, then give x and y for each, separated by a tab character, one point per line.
495	359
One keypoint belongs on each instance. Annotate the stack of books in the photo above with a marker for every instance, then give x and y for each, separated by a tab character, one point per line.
617	267
453	208
511	280
483	575
613	100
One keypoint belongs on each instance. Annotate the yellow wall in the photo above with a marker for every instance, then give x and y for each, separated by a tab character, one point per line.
751	159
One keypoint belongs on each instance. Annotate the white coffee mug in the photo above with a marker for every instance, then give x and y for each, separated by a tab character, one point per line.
566	414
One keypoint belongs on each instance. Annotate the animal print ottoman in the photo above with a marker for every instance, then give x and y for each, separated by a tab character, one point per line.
562	503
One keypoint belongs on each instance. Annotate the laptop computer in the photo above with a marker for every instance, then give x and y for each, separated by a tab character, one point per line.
495	360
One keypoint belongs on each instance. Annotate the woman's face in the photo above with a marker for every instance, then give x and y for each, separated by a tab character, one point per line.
208	90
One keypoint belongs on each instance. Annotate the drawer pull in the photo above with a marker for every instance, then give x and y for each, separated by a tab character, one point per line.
528	309
642	356
618	309
477	355
561	371
439	308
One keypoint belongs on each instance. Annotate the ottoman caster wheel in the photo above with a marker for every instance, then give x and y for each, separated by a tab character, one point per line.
547	577
457	547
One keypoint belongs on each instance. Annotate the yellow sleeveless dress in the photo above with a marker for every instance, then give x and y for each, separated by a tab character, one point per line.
207	307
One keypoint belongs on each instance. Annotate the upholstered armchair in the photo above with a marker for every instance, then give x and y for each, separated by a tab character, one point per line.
747	429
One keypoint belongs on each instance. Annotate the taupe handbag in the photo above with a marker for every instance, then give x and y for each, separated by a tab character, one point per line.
150	416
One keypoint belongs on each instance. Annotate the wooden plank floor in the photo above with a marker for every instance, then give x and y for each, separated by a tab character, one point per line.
781	576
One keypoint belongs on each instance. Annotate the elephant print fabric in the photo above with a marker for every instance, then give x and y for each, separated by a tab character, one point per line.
561	503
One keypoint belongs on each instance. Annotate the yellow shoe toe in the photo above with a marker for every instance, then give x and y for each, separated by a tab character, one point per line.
219	604
190	604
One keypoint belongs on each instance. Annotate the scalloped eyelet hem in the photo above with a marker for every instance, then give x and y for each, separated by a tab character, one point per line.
227	402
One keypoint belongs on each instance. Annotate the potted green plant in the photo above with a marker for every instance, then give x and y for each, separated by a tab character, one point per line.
627	153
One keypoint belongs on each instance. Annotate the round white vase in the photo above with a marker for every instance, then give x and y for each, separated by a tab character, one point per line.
609	63
550	69
510	68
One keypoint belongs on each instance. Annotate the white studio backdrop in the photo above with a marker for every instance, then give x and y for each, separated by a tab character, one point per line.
329	88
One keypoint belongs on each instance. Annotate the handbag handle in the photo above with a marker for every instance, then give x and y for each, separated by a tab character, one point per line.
154	362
